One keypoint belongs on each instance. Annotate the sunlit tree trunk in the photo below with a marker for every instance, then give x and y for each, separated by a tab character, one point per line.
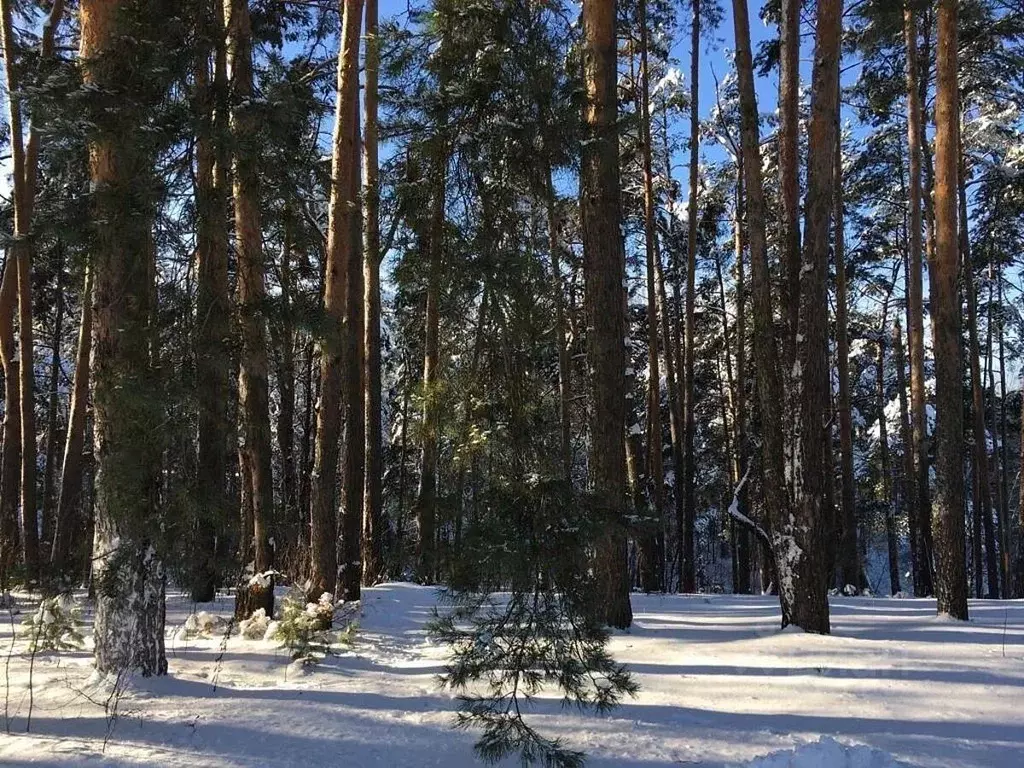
604	271
921	514
253	388
948	525
129	624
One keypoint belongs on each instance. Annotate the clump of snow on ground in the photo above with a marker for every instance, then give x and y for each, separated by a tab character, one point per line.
825	753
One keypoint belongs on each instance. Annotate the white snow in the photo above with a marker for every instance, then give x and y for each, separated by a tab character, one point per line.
721	686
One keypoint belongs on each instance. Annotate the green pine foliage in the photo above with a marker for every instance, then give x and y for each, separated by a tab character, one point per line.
55	626
521	619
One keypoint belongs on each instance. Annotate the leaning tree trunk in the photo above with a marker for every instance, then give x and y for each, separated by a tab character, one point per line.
127	410
920	515
257	588
807	560
604	272
323	515
948	525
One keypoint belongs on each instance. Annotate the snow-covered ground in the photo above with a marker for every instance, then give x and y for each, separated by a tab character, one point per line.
720	686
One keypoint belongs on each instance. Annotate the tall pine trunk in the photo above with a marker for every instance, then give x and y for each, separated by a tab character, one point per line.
766	357
604	272
948	525
812	515
323	501
256	590
374	524
687	560
849	555
650	573
921	513
212	353
129	623
789	170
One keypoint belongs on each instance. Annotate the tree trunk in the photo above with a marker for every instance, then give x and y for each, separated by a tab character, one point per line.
10	463
812	516
561	337
69	503
850	568
285	342
688	573
374	524
50	471
1004	480
909	488
212	353
742	564
651	574
257	588
21	253
766	360
604	271
892	542
921	512
129	625
981	489
350	570
948	525
789	167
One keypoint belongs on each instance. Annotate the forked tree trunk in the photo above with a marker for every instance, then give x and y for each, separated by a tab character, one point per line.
257	590
323	496
948	525
604	271
129	625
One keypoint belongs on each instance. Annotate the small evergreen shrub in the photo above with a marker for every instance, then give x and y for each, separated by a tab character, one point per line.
522	617
55	626
304	628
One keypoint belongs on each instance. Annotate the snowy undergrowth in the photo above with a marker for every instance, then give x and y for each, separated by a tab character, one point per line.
825	753
720	686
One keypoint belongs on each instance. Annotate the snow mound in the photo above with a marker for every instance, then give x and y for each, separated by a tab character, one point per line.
825	753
